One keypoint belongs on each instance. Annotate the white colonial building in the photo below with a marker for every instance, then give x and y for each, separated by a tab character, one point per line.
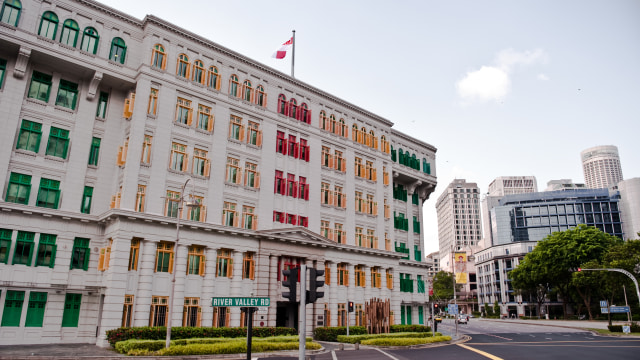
113	124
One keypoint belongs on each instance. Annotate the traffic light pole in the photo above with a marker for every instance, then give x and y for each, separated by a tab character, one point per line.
302	337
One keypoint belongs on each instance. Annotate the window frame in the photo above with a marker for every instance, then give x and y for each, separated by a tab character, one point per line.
12	312
40	80
164	257
20	183
23	249
158	57
58	143
118	50
36	309
196	260
224	263
5	245
8	17
69	28
49	19
92	38
94	151
67	96
101	109
80	254
47	188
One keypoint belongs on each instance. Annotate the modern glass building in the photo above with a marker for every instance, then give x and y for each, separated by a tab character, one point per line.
532	217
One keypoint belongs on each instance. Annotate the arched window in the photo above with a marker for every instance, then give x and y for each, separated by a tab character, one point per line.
213	80
293	108
89	40
354	134
332	123
234	86
261	96
159	57
118	50
282	104
361	135
343	128
70	32
305	115
11	12
400	156
247	90
198	72
415	164
48	25
182	68
323	119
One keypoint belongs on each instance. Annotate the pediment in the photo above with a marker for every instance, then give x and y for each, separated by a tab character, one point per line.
295	234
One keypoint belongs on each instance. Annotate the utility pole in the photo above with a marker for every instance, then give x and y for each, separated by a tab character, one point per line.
303	313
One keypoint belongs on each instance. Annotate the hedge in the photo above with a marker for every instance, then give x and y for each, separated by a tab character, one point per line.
353	339
635	328
160	333
405	341
326	333
409	328
207	346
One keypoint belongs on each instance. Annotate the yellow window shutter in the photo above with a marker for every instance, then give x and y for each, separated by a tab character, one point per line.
101	259
230	272
199	321
259	139
113	202
210	124
241	132
374	174
227	317
184	316
254	224
203	213
256	181
171	263
202	266
107	257
239	176
236	220
185	163
226	173
207	167
190	117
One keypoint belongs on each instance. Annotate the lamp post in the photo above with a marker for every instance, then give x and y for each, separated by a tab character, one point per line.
635	282
173	277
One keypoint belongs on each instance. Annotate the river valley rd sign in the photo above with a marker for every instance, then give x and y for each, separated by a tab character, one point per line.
240	301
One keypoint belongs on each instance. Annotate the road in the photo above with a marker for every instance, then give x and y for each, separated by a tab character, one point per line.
507	339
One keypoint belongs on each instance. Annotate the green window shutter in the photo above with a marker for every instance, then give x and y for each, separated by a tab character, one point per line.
12	308
46	250
94	152
48	194
40	86
35	311
101	110
402	315
19	188
3	70
24	248
408	314
420	315
87	196
5	245
71	312
80	254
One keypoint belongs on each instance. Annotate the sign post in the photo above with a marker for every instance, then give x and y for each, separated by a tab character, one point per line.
248	305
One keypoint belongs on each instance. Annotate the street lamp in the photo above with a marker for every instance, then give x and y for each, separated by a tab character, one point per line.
173	277
620	271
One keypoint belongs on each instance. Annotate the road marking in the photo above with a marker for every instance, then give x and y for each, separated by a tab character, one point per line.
333	355
500	337
485	354
389	355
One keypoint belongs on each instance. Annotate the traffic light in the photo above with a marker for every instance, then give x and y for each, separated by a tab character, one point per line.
290	282
435	307
313	294
350	308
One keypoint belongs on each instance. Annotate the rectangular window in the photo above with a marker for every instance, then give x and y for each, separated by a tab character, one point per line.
343	274
71	313
205	118
30	135
234	173
184	111
19	188
360	276
224	264
172	202
67	94
12	308
304	188
292	185
24	248
35	311
159	306
5	245
197	211
140	198
376	279
196	261
101	111
48	194
326	159
359	168
340	235
46	250
201	164
179	158
94	151
80	254
229	214
236	130
325	231
249	218
304	150
281	143
134	252
293	147
87	195
340	163
221	317
40	86
280	184
389	279
164	257
254	134
360	319
3	70
58	143
251	175
360	240
152	107
127	311
191	313
342	315
105	257
248	266
146	149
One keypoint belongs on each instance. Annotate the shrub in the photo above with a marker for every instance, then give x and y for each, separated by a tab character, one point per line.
353	339
160	332
405	341
326	333
635	328
124	347
409	328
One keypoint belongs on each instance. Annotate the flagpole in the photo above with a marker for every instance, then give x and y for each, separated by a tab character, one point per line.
293	52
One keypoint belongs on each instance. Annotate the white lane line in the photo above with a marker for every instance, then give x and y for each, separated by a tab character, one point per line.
333	355
389	355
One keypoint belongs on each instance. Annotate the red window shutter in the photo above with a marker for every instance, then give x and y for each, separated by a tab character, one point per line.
282	216
274	216
306	153
306	192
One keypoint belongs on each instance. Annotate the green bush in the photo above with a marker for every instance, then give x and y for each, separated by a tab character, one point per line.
353	339
409	328
326	333
405	341
160	332
124	347
635	328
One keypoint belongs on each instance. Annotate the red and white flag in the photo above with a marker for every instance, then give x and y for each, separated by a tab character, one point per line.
282	52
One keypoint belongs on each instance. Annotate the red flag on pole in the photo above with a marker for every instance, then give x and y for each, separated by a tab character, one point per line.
282	51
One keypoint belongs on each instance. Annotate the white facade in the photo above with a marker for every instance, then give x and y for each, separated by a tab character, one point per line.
601	166
103	133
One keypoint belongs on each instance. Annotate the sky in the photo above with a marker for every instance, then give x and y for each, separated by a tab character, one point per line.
500	88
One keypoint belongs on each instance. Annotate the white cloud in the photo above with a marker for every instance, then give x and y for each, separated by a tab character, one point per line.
494	82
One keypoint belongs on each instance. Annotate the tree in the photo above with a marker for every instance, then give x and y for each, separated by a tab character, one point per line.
553	258
443	286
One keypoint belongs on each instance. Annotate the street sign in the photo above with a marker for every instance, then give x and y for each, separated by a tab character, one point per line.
619	309
604	303
604	310
453	309
240	301
263	309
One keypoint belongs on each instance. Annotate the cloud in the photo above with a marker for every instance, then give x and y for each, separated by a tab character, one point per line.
543	77
493	82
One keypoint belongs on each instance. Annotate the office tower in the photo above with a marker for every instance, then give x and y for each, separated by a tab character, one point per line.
601	166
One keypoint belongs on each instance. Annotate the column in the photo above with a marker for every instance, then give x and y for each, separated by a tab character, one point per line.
275	290
236	286
208	286
146	267
180	268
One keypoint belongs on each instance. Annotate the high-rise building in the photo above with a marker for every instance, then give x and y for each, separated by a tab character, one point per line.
459	234
601	166
134	150
498	188
563	184
630	207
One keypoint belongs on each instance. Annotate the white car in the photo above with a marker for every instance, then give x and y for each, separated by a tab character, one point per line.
462	319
